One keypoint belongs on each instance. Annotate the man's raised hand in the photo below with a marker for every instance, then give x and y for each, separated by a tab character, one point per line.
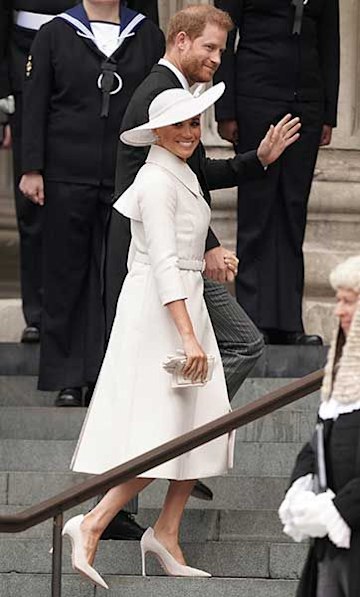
278	138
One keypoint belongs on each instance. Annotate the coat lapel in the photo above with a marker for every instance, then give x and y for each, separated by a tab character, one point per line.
165	159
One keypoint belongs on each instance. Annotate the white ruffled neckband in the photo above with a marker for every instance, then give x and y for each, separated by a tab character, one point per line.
331	409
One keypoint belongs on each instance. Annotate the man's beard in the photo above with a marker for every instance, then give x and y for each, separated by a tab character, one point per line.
196	72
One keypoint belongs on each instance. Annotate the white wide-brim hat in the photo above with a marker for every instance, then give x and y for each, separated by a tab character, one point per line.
169	107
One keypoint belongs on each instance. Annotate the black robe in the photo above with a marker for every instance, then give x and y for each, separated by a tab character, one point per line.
342	457
271	72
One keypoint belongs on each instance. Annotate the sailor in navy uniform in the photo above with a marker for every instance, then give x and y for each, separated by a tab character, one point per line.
19	22
79	79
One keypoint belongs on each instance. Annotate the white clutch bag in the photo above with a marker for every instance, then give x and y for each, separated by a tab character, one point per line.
174	365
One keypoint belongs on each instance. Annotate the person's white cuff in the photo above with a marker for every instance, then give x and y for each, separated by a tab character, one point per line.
306	510
304	483
7	104
338	530
295	533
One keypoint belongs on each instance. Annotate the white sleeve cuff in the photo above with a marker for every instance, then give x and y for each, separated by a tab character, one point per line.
302	484
338	530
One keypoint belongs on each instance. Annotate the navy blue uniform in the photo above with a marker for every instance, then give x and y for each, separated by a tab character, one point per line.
15	43
70	136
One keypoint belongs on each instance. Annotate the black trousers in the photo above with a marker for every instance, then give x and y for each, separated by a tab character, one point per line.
73	327
29	221
117	249
272	215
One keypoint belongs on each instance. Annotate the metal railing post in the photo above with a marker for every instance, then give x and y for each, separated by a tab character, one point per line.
57	556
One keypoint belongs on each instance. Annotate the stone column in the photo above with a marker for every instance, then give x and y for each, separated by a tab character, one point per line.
333	230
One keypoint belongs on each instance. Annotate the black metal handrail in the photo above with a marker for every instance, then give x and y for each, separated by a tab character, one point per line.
95	485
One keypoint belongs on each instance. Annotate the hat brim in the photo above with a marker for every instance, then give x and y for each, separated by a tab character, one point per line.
143	135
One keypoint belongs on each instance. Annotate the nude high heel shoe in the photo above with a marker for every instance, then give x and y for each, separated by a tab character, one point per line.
149	544
78	558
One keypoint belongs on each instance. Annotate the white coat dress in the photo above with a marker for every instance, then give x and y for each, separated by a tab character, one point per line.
134	408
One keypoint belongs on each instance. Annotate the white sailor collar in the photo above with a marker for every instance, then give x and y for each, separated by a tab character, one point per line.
77	17
176	166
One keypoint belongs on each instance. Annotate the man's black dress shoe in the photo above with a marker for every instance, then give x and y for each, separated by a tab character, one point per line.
69	397
30	335
272	336
300	339
202	492
123	528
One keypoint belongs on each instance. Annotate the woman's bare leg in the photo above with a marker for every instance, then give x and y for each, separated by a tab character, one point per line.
96	521
167	526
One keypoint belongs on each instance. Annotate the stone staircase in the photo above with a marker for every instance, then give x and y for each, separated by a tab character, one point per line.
237	536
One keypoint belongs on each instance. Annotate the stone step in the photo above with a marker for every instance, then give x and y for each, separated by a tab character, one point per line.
321	259
230	492
197	525
318	314
333	227
39	585
234	559
271	459
20	391
49	423
277	361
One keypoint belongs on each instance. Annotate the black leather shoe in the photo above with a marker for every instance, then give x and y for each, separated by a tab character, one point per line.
69	397
30	335
300	339
202	492
123	528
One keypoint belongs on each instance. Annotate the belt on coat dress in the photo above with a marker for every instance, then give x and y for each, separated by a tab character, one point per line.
196	265
31	20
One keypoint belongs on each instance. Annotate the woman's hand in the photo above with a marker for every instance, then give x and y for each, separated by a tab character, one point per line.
6	144
32	186
196	367
232	264
220	265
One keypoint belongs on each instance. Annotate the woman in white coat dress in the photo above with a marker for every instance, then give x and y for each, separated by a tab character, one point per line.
160	310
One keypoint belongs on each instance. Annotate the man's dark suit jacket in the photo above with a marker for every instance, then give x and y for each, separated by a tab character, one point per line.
212	174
